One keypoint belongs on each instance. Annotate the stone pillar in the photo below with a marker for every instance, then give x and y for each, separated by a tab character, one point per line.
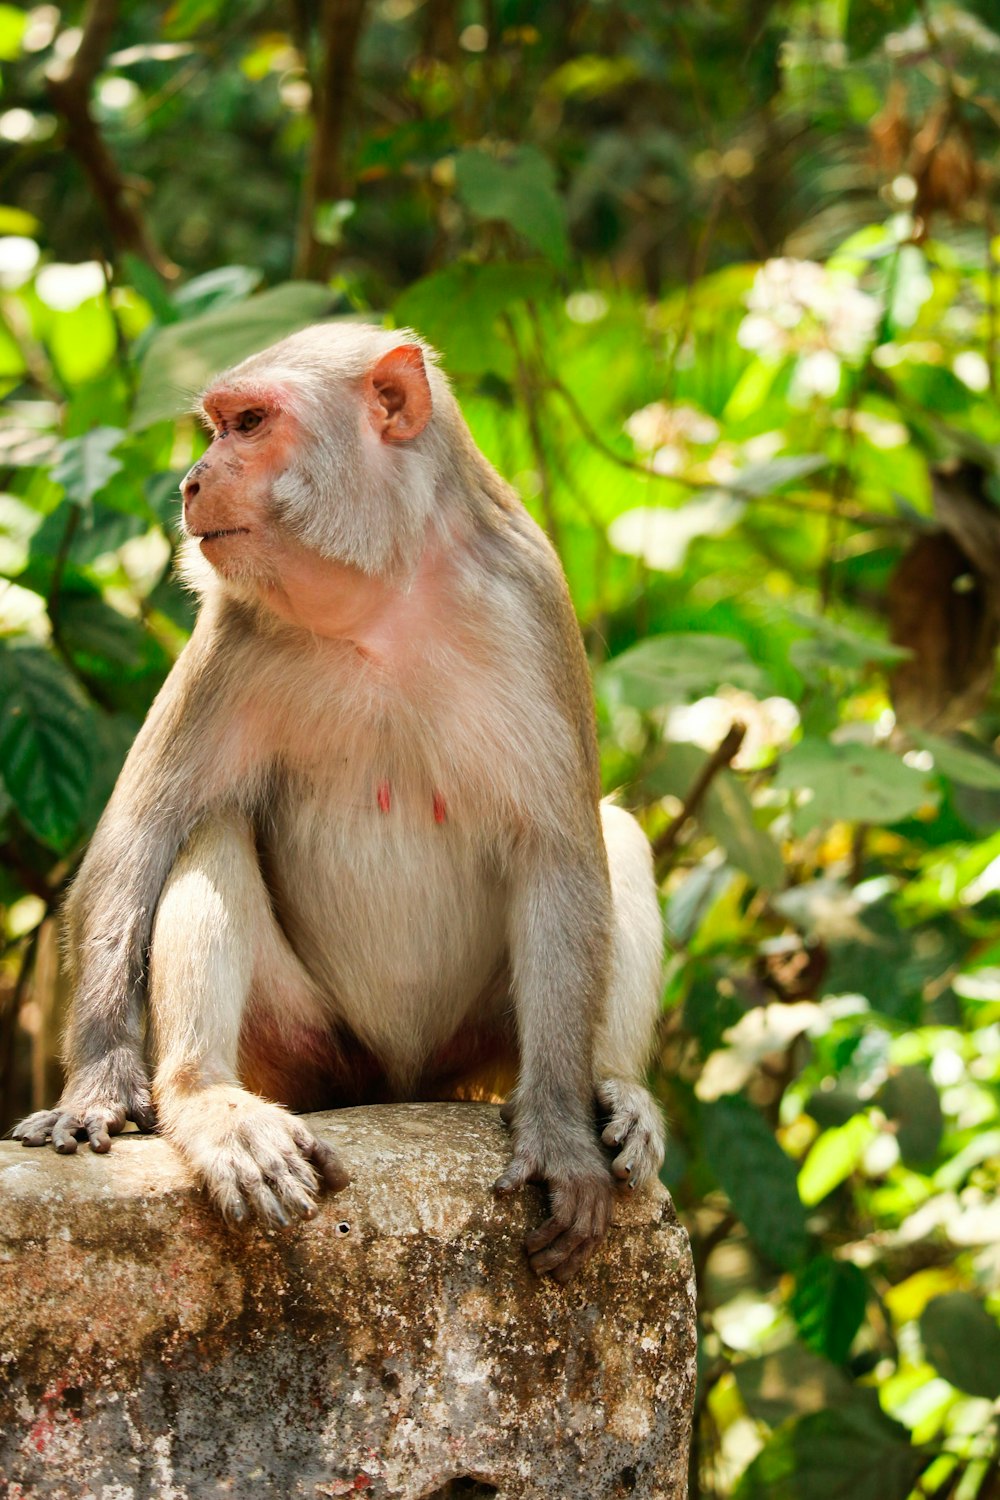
396	1346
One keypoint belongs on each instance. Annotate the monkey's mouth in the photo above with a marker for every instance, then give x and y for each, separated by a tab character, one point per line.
213	536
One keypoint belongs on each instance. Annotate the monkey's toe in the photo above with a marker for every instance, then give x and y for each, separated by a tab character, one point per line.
36	1129
581	1215
634	1131
255	1159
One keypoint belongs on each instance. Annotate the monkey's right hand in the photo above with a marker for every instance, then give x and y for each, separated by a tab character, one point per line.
89	1110
253	1157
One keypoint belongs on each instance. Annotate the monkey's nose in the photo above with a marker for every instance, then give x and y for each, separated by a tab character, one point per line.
189	488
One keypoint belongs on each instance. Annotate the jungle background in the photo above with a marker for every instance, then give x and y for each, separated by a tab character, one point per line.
718	286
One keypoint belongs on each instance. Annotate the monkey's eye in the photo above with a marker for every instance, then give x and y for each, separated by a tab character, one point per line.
248	420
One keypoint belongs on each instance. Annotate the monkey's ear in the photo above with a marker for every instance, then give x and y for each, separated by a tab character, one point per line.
399	397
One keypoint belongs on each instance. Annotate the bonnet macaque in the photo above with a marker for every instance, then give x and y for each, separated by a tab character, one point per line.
357	852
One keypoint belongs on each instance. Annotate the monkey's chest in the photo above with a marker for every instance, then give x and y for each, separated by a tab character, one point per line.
394	907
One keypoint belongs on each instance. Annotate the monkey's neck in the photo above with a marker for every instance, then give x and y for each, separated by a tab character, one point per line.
381	616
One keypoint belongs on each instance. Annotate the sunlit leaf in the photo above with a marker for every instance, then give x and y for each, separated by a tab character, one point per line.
12	24
833	1157
518	189
673	668
855	782
964	761
457	311
84	465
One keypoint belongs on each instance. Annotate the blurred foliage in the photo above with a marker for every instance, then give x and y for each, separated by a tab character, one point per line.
718	288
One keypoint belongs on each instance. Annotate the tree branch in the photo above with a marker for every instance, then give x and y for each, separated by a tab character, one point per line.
69	85
328	180
724	753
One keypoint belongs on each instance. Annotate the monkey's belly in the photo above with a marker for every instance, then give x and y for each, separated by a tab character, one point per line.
401	930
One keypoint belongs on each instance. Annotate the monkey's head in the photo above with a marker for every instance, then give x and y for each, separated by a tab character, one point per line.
323	443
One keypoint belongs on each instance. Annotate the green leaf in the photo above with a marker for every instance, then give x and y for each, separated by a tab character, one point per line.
757	1177
224	287
457	311
869	21
968	763
673	668
518	189
855	782
833	1157
84	465
828	1304
757	480
185	17
590	76
148	284
184	356
909	1097
726	812
832	645
45	738
850	1453
962	1342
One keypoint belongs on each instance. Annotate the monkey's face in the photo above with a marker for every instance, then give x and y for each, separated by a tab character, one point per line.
227	494
307	453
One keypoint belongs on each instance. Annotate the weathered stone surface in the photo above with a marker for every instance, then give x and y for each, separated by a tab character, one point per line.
396	1346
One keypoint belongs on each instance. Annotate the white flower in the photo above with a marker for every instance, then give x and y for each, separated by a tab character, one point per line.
64	287
798	306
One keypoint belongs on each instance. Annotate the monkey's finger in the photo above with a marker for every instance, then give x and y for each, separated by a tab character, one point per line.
36	1129
558	1253
323	1157
96	1127
507	1112
302	1171
544	1234
519	1171
574	1262
266	1204
64	1134
294	1198
144	1115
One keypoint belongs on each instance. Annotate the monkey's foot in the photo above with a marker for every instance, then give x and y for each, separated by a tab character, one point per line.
635	1126
581	1204
79	1119
252	1156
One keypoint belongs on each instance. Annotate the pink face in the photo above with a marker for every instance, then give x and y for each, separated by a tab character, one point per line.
257	437
226	492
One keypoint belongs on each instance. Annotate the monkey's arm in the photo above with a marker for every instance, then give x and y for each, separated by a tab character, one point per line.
170	773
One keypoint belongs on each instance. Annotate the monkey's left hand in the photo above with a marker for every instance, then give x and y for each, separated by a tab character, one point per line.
581	1200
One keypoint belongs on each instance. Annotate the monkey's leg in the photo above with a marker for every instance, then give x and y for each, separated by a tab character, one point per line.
215	936
559	939
635	1128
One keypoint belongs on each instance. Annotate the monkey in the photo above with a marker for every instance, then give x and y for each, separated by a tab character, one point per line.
358	851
